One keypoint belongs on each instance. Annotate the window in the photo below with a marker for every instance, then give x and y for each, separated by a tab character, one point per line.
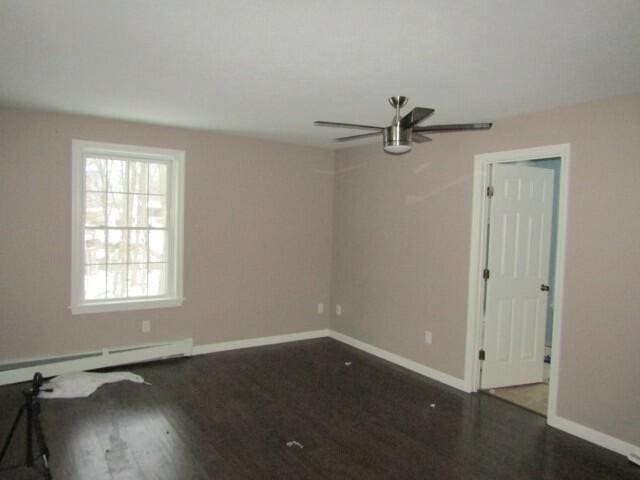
127	227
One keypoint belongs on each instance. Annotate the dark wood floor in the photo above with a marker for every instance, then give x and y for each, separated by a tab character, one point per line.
230	415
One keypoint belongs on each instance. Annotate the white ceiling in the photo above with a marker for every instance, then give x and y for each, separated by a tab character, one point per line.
269	68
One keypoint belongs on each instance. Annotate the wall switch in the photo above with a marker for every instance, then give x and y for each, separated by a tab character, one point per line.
146	326
338	309
320	308
428	338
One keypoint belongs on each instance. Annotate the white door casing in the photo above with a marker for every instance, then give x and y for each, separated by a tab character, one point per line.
518	261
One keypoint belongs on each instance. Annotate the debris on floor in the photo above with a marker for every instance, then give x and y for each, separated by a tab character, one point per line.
348	364
83	384
294	443
433	405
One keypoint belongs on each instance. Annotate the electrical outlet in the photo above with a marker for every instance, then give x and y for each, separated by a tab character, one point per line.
146	326
338	309
428	337
320	308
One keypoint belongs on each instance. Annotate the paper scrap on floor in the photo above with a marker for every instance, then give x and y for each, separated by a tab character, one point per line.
83	384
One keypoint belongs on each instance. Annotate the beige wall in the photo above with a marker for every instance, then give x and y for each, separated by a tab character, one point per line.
257	237
401	252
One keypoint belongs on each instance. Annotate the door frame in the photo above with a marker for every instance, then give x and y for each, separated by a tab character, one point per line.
480	212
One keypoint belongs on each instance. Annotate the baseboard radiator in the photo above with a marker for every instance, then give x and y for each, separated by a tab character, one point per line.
23	370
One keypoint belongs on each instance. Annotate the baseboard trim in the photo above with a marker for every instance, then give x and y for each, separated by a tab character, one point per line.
593	436
107	357
258	342
431	373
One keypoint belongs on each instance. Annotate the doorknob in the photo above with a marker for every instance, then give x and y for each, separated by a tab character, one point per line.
544	288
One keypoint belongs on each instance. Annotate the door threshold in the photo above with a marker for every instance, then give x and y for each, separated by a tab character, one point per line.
526	405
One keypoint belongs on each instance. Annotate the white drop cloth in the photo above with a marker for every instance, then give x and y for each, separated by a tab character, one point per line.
83	384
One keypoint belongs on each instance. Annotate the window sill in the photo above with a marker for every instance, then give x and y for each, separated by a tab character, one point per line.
123	306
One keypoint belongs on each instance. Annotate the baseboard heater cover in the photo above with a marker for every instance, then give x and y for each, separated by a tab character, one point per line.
22	371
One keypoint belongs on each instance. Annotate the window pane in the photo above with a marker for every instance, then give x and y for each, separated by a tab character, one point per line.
117	176
138	246
138	177
94	212
137	280
116	281
95	172
94	282
116	209
157	178
157	246
94	248
157	211
117	245
138	211
157	279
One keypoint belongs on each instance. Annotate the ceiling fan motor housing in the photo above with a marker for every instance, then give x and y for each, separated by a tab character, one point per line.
396	139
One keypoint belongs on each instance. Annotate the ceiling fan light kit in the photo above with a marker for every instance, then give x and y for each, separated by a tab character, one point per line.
398	137
396	141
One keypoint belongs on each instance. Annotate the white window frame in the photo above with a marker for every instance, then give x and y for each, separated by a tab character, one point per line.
174	295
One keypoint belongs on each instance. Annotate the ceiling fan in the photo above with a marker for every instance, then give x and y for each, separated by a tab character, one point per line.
399	136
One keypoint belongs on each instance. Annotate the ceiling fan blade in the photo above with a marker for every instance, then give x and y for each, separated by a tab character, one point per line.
419	138
416	116
454	127
320	123
357	137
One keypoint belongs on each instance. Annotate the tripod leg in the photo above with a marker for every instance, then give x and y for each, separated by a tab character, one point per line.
46	472
11	432
44	450
29	455
40	436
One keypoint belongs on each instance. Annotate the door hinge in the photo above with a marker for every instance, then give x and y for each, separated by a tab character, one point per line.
481	355
486	274
490	191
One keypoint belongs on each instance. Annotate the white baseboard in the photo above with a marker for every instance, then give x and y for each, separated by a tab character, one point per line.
258	342
107	357
593	436
401	361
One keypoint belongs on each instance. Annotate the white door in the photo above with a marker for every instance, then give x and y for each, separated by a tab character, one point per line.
518	262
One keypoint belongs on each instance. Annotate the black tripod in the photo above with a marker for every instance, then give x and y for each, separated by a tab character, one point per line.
31	407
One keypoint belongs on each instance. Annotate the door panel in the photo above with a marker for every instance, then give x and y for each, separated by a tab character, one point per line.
518	259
